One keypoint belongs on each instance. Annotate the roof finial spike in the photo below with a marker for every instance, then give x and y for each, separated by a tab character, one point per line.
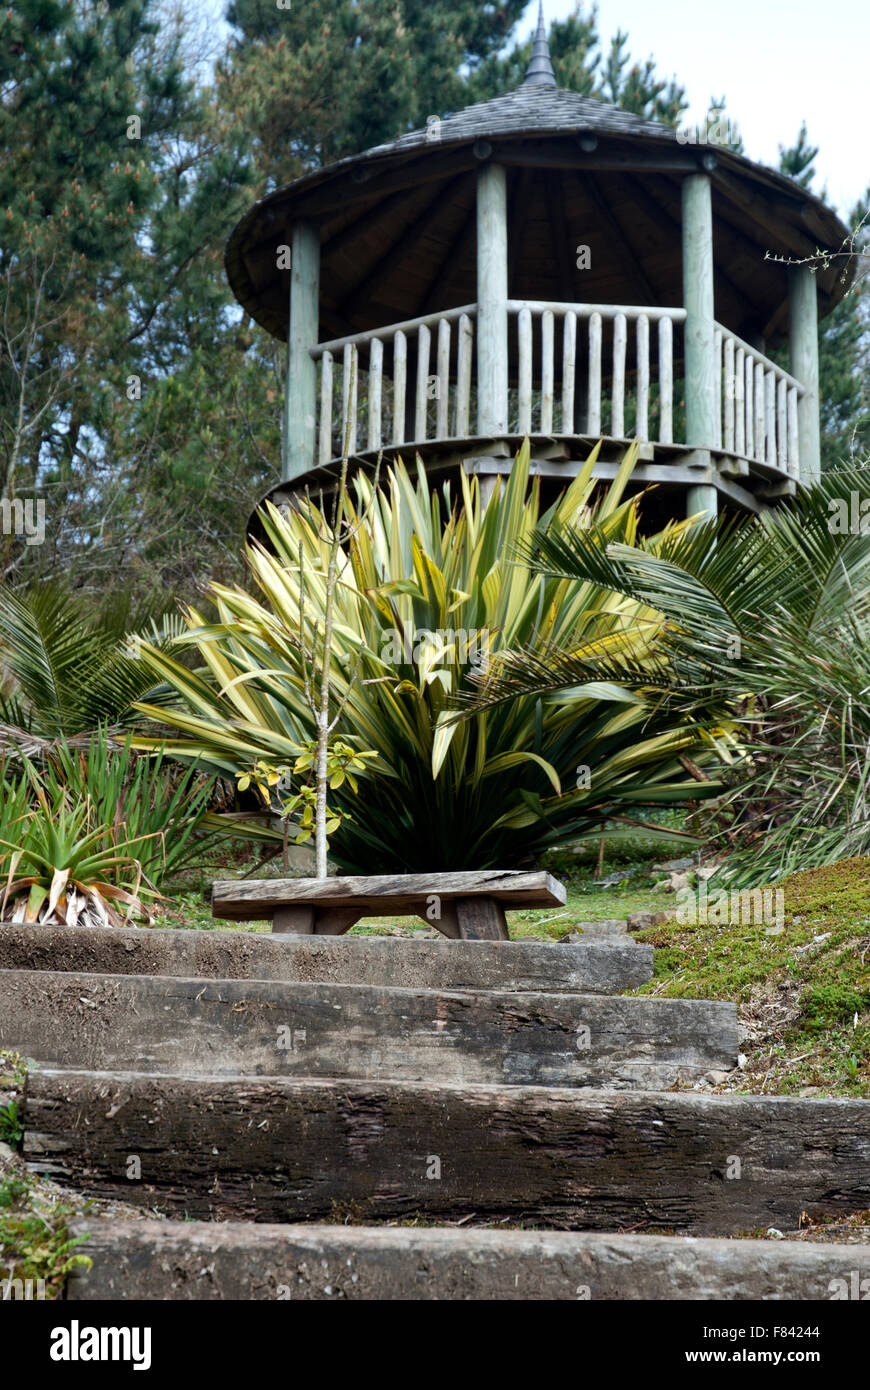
540	72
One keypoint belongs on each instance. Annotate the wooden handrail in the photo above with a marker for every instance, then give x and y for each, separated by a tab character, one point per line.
406	326
607	311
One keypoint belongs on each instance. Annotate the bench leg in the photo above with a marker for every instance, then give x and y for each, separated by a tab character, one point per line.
446	923
481	919
335	921
298	920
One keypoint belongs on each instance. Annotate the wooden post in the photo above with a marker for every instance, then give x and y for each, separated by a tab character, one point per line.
758	397
804	360
421	399
739	403
400	377
463	376
730	397
296	920
442	409
547	370
701	394
781	424
481	919
376	378
492	317
324	452
300	394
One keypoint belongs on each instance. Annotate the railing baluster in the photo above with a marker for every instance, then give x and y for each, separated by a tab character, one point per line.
421	402
569	370
617	421
376	377
759	411
325	449
463	376
728	431
349	398
739	403
443	379
793	436
547	371
400	381
769	417
593	417
524	385
641	428
666	379
717	409
781	424
750	407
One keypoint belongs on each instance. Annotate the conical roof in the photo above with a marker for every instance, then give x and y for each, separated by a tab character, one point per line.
398	226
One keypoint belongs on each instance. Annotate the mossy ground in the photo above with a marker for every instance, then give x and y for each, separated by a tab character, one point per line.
802	987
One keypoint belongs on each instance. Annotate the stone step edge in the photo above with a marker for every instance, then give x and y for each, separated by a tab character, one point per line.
151	1259
595	966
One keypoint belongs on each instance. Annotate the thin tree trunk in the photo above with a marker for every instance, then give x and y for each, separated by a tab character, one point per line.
320	844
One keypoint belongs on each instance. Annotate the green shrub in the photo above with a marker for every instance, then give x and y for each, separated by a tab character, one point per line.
422	583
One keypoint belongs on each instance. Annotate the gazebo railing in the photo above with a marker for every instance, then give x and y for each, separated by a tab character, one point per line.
576	370
757	415
376	404
583	330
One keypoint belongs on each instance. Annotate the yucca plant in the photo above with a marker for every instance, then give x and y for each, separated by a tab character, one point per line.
59	864
429	591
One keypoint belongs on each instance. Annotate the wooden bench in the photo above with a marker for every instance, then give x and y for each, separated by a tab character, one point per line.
467	906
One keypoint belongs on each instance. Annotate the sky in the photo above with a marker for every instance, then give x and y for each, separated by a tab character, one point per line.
775	63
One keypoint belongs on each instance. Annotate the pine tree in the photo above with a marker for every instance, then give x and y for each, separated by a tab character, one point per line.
115	201
319	81
87	96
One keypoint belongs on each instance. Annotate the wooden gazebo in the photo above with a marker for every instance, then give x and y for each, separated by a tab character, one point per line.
545	264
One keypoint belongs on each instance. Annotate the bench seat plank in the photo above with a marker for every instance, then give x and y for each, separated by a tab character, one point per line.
251	900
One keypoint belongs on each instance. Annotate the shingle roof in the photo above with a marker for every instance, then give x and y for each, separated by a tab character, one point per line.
533	109
539	104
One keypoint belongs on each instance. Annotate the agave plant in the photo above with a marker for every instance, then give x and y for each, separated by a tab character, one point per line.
59	864
155	807
771	614
429	592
